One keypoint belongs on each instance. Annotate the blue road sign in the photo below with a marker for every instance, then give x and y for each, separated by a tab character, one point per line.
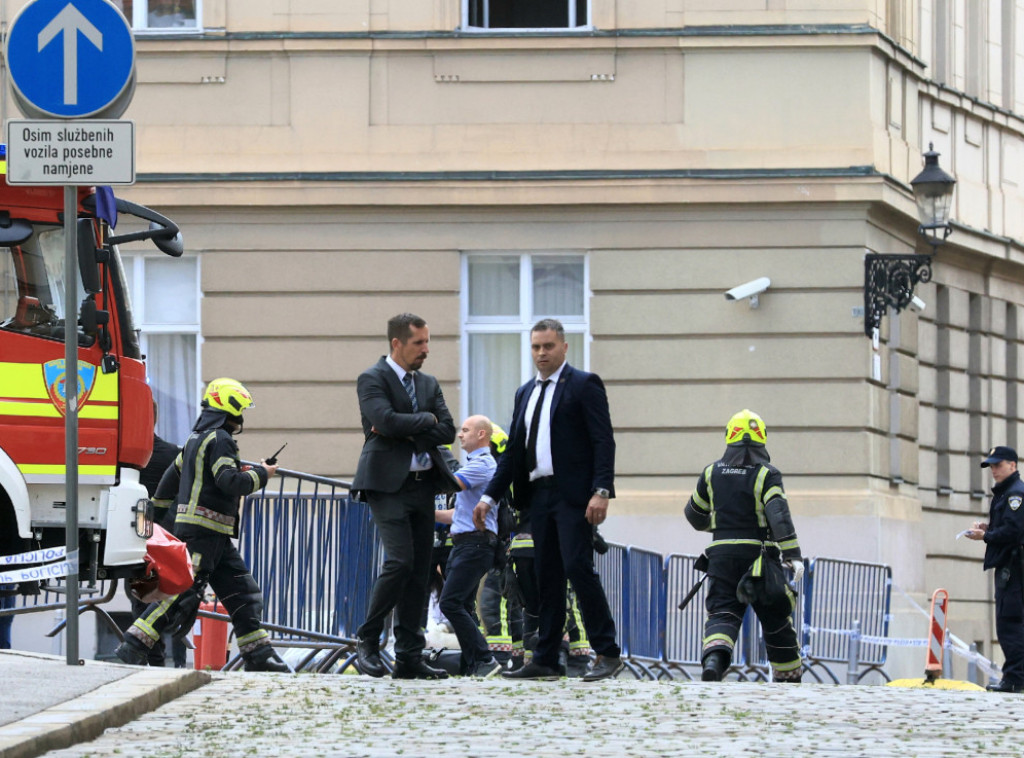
71	59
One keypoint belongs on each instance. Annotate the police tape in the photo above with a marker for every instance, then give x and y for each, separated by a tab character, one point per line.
983	663
868	639
44	555
49	571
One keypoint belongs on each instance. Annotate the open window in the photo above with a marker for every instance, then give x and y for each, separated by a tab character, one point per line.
526	14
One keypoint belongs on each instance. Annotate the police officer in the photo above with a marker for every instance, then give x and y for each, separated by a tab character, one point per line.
210	481
740	500
1003	535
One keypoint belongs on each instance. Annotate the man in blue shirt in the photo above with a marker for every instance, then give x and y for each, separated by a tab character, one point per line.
472	552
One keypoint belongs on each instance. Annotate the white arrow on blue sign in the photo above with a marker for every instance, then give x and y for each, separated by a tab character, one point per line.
71	59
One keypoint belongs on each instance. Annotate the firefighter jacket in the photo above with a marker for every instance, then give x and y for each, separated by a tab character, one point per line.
210	480
1005	530
740	499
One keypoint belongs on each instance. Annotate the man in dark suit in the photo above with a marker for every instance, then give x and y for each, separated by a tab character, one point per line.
399	472
560	461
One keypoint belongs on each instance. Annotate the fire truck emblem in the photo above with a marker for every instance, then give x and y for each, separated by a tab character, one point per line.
54	376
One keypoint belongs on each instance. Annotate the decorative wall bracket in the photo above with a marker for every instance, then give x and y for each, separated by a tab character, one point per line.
889	282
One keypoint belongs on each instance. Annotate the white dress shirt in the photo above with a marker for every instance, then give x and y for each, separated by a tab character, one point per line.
544	464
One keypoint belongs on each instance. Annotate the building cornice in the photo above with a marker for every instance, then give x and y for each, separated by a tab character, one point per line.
510	176
731	30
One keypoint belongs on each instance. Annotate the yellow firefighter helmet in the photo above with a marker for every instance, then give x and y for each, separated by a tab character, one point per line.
746	425
227	395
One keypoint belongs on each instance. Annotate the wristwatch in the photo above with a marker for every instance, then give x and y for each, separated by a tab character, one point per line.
602	492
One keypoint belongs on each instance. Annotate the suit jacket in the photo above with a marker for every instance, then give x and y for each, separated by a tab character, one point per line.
386	406
582	441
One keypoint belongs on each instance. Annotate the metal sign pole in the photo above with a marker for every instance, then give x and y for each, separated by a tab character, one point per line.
71	416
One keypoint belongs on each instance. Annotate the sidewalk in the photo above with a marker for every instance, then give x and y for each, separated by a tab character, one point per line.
240	714
46	704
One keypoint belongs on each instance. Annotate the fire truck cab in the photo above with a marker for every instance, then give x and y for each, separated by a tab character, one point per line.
115	404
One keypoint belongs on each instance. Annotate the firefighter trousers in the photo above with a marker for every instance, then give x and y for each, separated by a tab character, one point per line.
725	613
216	563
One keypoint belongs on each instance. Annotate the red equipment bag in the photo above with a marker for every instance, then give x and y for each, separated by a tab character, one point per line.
169	563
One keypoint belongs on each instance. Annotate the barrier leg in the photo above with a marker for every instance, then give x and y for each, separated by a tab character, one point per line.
854	660
972	664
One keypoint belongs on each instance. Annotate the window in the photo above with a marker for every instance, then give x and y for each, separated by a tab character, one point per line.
975	73
162	15
941	43
1009	35
525	14
165	297
32	284
504	296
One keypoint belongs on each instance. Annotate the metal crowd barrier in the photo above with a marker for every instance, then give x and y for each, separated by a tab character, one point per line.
834	599
313	551
643	632
684	629
841	597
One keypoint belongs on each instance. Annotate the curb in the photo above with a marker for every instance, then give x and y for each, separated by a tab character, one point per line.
84	718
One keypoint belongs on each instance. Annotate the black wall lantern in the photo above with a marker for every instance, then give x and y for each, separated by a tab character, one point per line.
889	279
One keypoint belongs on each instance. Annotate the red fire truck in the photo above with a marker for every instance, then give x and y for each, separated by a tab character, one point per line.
115	403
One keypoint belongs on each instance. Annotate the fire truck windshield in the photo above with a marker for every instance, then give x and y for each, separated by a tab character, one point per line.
32	284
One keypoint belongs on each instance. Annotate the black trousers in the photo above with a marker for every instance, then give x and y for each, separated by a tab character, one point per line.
468	563
405	524
1010	621
217	563
563	546
726	566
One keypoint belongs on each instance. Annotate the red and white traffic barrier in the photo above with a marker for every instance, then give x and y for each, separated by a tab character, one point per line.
937	635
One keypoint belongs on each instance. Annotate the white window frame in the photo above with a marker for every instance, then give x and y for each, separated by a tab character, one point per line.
135	273
574	325
140	20
573	5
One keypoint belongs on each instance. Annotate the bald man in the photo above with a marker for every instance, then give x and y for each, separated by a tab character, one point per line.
472	554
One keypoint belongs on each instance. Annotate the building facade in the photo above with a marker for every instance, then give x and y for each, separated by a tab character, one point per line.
620	165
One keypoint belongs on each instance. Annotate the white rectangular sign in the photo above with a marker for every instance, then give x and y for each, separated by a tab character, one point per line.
57	152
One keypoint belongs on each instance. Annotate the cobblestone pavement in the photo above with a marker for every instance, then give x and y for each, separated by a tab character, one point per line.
337	715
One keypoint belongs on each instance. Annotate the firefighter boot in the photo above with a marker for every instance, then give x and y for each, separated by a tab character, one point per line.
265	658
132	652
715	664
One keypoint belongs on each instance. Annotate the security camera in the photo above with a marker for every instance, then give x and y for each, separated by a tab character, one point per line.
749	289
917	304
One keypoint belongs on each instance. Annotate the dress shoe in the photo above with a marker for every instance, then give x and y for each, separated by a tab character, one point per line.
132	652
369	658
417	670
265	658
1005	686
533	670
605	667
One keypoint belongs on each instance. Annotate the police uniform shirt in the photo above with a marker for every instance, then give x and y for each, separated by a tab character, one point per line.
1005	523
476	475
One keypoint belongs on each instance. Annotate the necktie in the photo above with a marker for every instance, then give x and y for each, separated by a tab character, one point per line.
531	441
423	459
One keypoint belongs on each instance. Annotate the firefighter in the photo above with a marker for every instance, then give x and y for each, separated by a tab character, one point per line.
210	481
740	500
